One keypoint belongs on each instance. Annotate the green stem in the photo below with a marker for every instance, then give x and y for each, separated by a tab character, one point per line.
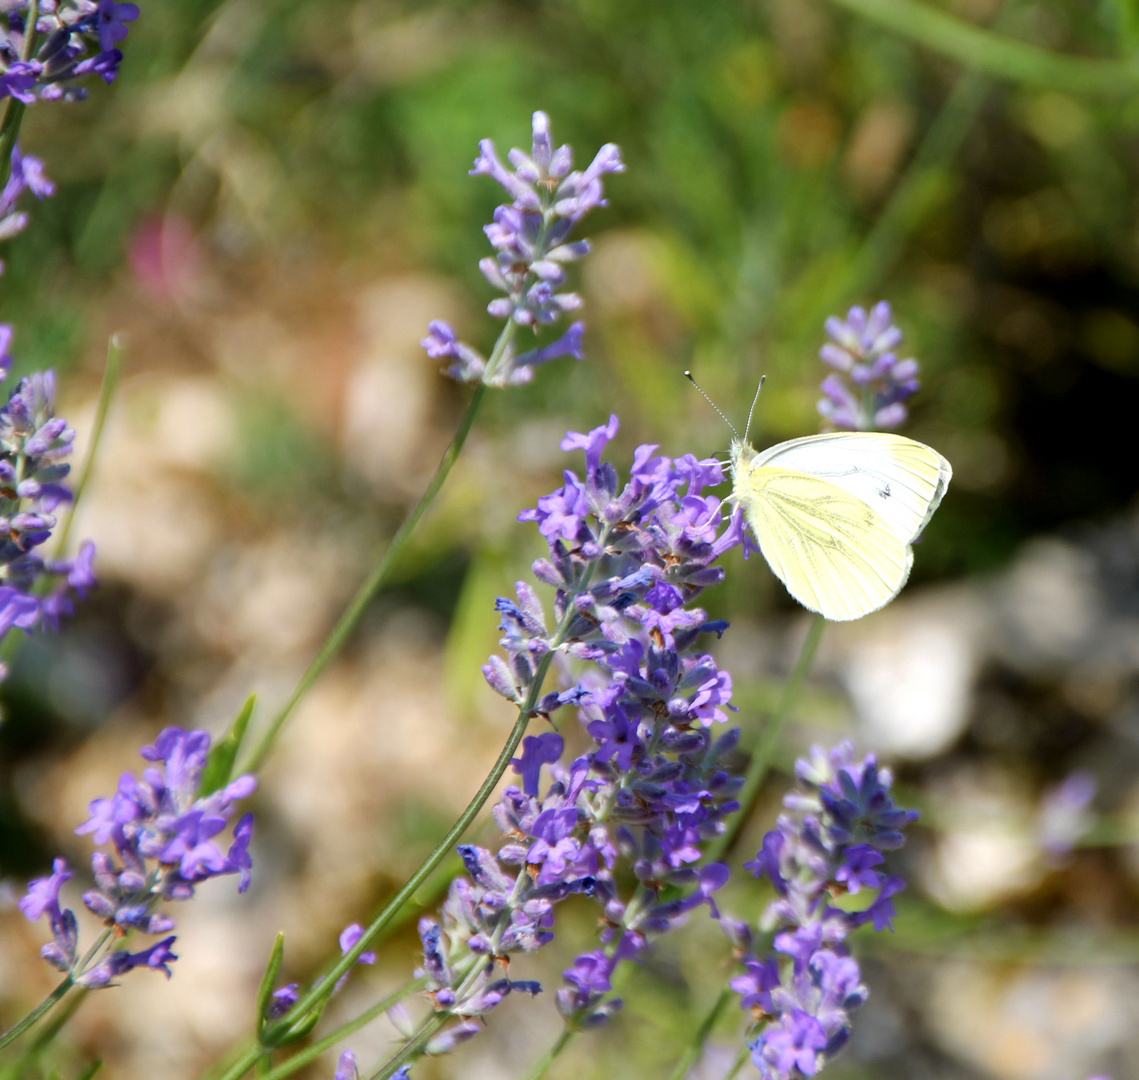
997	55
17	1067
696	1047
411	1049
756	771
10	120
768	740
911	196
741	1057
370	587
111	375
30	19
12	114
44	1007
542	1065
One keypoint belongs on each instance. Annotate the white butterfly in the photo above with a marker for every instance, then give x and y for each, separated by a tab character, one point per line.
835	514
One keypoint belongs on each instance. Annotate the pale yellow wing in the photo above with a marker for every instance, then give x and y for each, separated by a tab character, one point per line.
834	552
903	480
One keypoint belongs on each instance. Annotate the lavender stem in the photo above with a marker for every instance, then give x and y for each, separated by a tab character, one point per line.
761	758
111	375
373	582
756	772
543	1064
37	1014
696	1047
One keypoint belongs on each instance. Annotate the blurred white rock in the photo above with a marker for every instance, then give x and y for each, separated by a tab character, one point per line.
986	848
1031	1022
910	669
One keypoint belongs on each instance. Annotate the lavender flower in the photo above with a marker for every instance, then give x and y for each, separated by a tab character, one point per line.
1064	817
73	39
33	445
531	236
626	563
346	1069
162	831
840	819
872	385
27	174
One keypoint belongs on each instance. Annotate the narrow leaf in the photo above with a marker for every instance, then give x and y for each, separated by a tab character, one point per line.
219	768
269	979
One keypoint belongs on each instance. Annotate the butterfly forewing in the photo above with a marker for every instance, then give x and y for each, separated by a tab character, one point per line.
900	479
835	553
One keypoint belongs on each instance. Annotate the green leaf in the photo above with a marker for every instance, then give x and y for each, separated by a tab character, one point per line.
219	766
91	1070
269	979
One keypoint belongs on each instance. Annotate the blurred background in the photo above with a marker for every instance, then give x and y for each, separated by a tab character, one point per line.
273	202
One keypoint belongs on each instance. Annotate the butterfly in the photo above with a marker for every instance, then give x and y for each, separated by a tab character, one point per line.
836	514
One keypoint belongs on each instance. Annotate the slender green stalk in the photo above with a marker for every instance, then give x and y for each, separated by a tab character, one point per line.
12	114
30	19
15	1068
411	886
411	1049
10	120
910	199
756	771
41	1010
994	54
542	1065
111	375
319	993
768	740
741	1057
371	585
696	1047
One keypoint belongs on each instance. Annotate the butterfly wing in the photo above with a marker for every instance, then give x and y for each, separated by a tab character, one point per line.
835	553
900	479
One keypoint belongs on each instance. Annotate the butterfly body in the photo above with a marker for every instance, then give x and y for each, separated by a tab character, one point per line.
835	515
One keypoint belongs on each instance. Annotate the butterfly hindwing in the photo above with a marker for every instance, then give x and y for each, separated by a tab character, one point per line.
835	553
902	480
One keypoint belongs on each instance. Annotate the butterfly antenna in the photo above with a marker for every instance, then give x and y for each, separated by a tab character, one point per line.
753	403
688	376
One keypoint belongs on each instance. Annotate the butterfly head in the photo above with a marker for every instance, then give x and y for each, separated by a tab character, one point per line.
740	454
